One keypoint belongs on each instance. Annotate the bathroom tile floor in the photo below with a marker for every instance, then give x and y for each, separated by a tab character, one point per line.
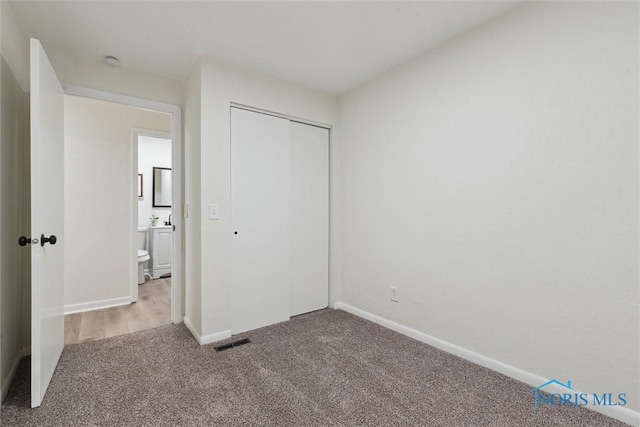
153	309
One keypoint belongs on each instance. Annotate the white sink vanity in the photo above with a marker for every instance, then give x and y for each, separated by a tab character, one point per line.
160	245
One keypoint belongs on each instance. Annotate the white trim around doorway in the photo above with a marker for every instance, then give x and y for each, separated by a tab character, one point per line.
135	134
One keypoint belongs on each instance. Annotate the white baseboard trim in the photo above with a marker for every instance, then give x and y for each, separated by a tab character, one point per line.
207	339
619	413
96	305
9	379
218	336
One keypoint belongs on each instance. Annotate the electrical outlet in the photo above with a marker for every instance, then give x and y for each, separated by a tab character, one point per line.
394	294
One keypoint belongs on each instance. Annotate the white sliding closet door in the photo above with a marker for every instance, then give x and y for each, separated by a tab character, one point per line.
260	266
309	174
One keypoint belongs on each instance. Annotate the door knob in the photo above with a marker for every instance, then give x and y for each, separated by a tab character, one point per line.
51	239
24	241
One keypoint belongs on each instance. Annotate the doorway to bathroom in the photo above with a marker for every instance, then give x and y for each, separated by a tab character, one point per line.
154	216
123	217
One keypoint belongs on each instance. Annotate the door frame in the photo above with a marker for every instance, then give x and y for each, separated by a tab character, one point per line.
135	134
177	282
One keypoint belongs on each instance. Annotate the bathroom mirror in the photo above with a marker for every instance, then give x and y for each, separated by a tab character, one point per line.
161	187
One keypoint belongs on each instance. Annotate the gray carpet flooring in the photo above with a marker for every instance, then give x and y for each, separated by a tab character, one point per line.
325	368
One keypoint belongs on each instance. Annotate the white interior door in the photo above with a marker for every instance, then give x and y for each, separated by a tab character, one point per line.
47	220
260	220
309	176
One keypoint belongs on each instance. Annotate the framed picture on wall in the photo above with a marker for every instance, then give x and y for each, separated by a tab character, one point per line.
140	186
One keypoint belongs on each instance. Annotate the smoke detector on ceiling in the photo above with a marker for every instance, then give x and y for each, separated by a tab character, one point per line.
111	61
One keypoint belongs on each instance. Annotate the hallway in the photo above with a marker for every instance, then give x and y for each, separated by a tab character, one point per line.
152	309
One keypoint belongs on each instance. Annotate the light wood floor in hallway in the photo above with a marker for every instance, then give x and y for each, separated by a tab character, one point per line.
153	309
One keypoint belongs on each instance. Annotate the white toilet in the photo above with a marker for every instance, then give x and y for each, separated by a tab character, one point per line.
143	254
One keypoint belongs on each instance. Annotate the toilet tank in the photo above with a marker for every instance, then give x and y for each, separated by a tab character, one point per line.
142	237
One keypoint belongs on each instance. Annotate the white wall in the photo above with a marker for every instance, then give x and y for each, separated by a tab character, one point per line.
11	221
494	181
15	46
99	203
152	152
192	247
221	85
13	193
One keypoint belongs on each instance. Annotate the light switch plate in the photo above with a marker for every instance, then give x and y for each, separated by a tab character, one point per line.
213	211
394	294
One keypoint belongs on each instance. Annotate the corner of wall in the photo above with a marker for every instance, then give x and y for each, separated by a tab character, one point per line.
335	206
192	193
